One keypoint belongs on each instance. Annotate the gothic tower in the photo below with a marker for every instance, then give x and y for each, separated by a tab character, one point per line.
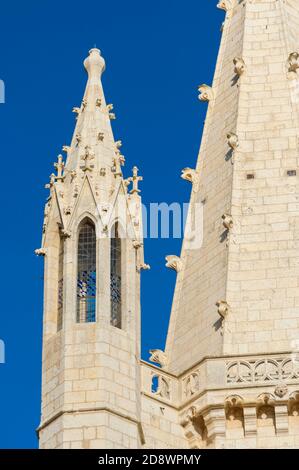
229	376
92	245
237	295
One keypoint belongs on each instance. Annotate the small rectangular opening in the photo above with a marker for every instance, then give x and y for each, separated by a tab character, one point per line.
291	172
250	176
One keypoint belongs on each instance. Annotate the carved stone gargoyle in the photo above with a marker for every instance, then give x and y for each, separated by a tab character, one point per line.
144	267
40	252
223	308
206	93
66	149
239	66
67	210
189	415
159	357
293	61
191	175
232	140
227	221
174	262
293	65
83	104
137	244
76	110
225	5
194	427
65	233
188	174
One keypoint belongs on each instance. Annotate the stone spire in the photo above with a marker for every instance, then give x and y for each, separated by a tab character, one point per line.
93	136
233	293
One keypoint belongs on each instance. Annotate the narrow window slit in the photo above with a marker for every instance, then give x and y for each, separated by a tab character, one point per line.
115	278
86	279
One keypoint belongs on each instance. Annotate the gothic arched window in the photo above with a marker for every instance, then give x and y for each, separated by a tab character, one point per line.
115	277
86	279
60	285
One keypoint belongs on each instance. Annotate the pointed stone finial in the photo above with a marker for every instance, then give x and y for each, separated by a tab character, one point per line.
135	181
206	93
51	182
94	64
59	167
174	262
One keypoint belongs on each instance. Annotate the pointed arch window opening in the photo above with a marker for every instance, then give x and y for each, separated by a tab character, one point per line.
60	286
115	278
86	277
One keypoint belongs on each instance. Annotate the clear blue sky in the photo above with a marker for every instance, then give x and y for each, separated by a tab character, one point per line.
156	52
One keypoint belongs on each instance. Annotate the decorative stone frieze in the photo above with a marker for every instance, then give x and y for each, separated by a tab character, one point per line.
262	370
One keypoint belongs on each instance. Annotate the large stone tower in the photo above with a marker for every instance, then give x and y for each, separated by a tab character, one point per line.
92	244
237	296
229	376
